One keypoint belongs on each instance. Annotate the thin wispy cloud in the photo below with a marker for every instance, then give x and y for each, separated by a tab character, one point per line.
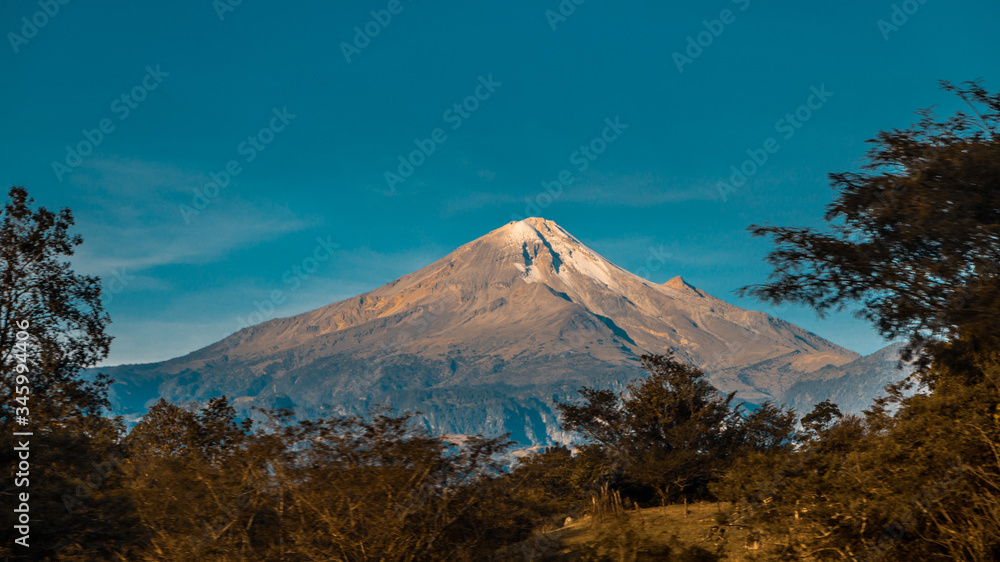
132	219
635	190
221	310
630	190
476	200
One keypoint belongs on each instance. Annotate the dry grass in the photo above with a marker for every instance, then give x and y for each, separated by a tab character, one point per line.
658	533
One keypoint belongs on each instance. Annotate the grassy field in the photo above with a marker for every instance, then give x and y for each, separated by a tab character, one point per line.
658	533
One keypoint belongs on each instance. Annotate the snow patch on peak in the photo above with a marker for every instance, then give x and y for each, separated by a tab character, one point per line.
522	232
535	235
536	228
572	262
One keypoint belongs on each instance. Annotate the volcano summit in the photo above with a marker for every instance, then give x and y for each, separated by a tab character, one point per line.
483	340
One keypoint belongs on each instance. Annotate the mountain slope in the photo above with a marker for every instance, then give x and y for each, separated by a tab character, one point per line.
485	338
852	386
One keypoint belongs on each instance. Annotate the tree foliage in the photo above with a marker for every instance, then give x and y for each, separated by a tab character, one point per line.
915	235
915	240
73	487
66	320
209	486
673	431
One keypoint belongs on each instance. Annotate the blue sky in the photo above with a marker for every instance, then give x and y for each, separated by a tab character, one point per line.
156	102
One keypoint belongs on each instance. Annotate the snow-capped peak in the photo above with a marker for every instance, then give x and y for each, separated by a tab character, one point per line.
542	248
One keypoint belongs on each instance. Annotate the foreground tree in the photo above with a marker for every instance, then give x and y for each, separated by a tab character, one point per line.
915	236
915	239
207	485
52	325
673	431
65	319
557	482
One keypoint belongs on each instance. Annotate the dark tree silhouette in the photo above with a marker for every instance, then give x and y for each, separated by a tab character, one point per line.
915	236
673	431
52	326
65	320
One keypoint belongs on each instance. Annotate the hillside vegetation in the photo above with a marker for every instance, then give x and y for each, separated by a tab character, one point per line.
676	532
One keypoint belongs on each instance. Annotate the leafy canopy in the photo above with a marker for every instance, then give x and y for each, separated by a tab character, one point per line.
673	430
66	319
914	236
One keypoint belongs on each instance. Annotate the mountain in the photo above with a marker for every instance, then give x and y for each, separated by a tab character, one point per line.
485	338
852	386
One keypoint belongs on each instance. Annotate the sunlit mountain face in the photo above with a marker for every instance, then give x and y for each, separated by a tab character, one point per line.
484	339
